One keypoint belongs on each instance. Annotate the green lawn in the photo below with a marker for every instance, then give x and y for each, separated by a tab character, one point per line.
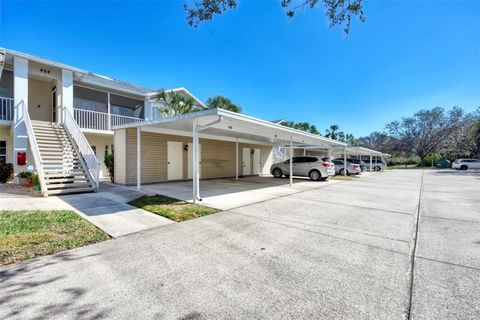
173	209
28	234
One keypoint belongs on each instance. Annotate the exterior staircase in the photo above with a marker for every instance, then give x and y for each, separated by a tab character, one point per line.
64	171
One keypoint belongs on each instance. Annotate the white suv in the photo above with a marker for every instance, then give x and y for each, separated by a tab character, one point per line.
464	164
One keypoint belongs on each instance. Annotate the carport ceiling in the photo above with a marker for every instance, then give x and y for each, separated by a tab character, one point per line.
233	125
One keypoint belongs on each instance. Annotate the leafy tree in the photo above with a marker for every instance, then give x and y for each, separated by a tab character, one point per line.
467	136
333	132
350	139
303	126
174	103
378	141
223	103
338	12
425	132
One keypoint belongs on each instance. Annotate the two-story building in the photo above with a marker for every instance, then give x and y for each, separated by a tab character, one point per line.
46	92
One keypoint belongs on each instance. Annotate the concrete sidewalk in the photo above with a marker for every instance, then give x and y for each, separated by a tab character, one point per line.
108	209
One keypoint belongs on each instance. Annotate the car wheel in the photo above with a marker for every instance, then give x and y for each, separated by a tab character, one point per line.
340	172
277	173
463	167
314	175
377	168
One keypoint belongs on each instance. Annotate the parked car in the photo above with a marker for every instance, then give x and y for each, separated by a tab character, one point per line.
378	164
464	164
363	165
316	168
352	168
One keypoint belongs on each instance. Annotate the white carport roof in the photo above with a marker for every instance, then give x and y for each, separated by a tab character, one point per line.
227	125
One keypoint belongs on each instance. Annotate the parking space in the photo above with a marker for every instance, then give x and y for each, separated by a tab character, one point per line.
286	253
229	193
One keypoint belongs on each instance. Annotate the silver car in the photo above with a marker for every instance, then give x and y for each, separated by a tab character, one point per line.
378	164
352	168
316	168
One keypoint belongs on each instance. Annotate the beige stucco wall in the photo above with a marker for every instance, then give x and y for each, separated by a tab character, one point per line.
217	157
101	142
5	135
39	94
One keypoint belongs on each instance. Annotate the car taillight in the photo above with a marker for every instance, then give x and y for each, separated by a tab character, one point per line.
356	165
325	164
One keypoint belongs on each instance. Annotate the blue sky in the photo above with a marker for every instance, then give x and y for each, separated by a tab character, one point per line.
408	55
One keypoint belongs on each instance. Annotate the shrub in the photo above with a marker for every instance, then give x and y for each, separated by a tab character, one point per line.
109	162
6	172
25	174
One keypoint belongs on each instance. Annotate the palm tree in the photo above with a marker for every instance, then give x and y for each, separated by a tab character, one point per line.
223	103
174	103
333	132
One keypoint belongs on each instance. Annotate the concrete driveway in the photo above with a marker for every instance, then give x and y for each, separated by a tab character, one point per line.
402	244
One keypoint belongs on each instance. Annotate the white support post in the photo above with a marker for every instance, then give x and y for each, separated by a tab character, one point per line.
67	93
345	166
291	162
20	101
109	117
195	169
139	158
304	152
371	165
236	160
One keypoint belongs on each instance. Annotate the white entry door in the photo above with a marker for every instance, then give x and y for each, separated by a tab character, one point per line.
174	160
190	160
246	165
256	161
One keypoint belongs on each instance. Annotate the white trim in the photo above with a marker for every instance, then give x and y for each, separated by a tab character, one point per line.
139	158
235	116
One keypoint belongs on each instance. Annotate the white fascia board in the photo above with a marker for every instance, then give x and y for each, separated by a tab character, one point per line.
30	57
234	116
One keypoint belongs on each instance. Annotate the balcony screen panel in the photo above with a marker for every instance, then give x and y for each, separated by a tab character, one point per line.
6	84
127	106
89	99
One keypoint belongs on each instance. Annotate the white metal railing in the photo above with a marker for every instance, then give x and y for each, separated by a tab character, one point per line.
84	148
95	120
6	109
118	120
34	146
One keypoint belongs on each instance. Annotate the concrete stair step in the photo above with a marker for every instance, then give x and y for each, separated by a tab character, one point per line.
82	178
73	185
69	191
65	175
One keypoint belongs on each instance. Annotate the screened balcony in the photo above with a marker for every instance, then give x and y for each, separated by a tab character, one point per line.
100	111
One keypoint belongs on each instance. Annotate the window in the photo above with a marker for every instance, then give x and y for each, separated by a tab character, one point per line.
3	151
310	159
298	160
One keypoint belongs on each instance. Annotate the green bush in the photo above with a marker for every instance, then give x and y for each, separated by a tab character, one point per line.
25	174
6	172
109	163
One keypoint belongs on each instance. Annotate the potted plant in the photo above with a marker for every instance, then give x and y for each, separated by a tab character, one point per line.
36	183
24	178
109	163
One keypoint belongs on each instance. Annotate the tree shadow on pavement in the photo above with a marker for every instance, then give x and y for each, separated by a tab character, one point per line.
21	284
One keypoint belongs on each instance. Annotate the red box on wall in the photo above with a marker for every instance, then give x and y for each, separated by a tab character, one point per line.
21	158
